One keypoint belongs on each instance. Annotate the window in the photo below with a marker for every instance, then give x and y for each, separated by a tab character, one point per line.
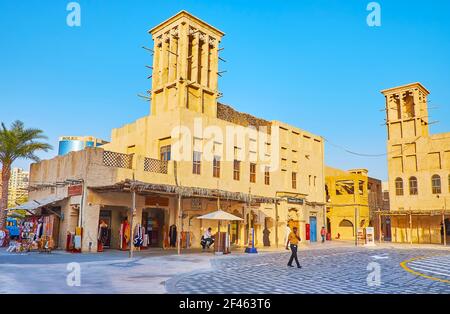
315	180
413	190
267	175
436	184
252	172
294	180
196	162
309	180
216	167
164	153
236	170
449	183
398	186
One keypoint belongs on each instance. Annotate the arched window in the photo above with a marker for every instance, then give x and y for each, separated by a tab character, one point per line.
436	184
398	186
346	223
413	190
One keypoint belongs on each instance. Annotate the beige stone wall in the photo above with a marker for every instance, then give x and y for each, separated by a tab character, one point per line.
413	152
185	93
341	208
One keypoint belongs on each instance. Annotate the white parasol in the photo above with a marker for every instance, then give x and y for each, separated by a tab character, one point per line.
219	215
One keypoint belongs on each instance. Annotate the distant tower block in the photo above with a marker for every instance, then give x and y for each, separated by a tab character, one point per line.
406	112
185	65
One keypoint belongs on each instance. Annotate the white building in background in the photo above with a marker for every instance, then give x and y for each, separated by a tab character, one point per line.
18	186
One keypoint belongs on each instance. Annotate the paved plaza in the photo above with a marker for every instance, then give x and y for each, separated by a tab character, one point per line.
326	269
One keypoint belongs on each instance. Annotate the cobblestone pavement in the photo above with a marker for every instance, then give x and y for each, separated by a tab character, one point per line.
326	269
333	270
111	272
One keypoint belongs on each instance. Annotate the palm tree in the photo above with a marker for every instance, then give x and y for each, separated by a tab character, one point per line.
17	142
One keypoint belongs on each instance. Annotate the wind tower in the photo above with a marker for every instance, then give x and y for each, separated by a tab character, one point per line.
185	65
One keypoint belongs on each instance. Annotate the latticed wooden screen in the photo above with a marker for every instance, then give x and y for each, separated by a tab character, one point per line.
155	165
112	159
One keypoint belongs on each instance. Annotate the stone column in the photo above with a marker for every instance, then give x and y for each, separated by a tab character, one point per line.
213	63
156	78
90	220
195	57
165	59
204	66
173	55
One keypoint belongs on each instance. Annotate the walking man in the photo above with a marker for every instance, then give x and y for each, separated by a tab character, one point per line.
293	241
287	232
323	233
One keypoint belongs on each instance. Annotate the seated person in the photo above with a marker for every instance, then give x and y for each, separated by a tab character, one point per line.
207	239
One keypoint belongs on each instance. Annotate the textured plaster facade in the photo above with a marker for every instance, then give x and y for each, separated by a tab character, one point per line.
184	94
344	206
414	158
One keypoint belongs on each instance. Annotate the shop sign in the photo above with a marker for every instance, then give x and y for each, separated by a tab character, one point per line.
370	236
294	200
74	190
156	201
196	204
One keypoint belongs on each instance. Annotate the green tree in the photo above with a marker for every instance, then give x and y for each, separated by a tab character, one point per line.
15	143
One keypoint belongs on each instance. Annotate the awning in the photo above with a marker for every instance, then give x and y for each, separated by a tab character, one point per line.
220	215
153	188
32	205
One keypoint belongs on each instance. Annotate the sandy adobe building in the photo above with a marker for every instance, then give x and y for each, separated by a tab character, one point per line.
347	198
418	168
190	155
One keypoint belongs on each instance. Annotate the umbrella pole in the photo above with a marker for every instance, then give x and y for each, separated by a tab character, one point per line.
218	240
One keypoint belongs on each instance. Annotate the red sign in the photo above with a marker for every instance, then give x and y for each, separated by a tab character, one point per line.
74	190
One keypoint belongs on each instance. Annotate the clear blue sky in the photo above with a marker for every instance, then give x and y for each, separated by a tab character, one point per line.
314	64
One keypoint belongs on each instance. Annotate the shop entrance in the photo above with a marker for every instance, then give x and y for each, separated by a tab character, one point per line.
105	223
153	222
313	228
234	232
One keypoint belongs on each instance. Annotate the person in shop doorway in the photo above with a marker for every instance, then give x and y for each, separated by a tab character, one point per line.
207	239
293	241
323	233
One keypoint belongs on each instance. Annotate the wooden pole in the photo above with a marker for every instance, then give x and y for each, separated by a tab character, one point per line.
179	217
356	217
276	223
133	212
379	228
444	229
443	222
410	228
218	236
429	228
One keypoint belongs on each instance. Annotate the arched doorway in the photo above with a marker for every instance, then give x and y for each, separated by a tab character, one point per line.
346	229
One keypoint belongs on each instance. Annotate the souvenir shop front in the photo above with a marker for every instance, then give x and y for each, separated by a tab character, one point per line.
37	231
114	229
158	206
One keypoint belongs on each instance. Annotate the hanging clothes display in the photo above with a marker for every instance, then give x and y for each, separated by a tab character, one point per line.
102	235
173	235
165	237
2	237
138	236
124	235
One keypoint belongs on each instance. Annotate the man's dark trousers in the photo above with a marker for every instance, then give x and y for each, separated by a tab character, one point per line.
294	255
